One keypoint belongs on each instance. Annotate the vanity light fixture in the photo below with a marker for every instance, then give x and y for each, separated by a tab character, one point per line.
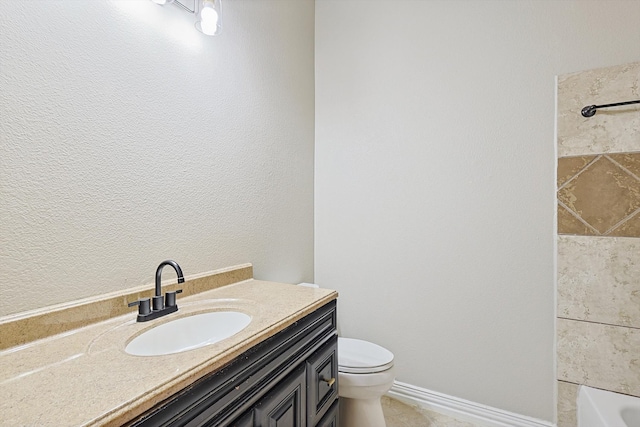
208	14
209	17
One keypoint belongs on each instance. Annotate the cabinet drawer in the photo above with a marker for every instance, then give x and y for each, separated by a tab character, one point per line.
322	380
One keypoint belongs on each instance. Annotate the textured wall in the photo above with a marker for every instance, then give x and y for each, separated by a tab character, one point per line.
127	137
598	247
435	164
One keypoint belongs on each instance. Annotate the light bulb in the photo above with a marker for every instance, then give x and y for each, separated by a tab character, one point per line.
209	14
208	28
160	2
208	18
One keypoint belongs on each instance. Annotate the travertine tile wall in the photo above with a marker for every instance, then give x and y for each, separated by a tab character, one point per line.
599	195
598	326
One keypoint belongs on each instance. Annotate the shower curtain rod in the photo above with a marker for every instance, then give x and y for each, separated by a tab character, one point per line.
590	110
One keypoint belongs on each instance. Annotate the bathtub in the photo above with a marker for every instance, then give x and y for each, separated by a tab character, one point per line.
599	408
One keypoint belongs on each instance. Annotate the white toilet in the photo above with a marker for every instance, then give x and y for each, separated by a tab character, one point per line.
365	373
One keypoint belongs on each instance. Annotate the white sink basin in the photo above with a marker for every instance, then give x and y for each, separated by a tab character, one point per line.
188	333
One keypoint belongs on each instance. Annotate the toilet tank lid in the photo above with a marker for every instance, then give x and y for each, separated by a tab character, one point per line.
355	353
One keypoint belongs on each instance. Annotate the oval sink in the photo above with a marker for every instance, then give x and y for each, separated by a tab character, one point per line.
188	333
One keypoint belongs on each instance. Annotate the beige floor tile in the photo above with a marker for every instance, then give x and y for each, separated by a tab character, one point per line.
398	414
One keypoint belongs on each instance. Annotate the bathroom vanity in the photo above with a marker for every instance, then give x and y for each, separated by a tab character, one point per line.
289	379
67	365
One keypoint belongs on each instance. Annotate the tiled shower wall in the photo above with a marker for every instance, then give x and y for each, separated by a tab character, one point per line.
598	325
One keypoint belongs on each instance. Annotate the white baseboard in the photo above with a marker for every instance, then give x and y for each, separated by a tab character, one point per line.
461	409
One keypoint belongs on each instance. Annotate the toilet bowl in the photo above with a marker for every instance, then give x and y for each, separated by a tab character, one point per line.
365	373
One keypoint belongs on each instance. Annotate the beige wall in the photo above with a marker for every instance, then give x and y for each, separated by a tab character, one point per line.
127	137
435	190
598	247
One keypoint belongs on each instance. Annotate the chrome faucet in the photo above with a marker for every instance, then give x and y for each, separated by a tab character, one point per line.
158	306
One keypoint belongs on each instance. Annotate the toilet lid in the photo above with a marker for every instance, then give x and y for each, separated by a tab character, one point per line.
362	357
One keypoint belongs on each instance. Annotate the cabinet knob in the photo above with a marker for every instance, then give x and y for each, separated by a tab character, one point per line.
329	381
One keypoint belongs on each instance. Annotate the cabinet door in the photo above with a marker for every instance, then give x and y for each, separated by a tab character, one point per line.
332	417
322	380
285	404
244	421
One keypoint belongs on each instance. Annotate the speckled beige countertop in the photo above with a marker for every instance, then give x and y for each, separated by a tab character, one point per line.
83	376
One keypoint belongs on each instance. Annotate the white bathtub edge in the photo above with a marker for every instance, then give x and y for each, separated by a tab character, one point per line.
601	408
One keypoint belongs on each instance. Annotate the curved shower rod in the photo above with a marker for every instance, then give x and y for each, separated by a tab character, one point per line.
590	110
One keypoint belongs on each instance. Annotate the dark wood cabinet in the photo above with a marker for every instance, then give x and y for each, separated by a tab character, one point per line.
288	380
245	421
322	381
285	404
330	419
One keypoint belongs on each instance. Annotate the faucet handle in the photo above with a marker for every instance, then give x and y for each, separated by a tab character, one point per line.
144	306
158	302
170	298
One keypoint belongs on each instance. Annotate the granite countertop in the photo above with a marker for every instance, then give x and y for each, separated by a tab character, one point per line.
83	377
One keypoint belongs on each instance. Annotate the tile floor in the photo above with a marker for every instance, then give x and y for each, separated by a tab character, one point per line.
398	414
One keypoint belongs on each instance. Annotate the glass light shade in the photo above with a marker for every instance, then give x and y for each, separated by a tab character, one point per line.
209	13
209	17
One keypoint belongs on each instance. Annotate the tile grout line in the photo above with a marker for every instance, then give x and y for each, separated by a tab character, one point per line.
632	214
620	166
621	222
568	382
599	323
578	218
599	388
587	166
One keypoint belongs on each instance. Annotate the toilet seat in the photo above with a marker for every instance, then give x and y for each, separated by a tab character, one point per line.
362	357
